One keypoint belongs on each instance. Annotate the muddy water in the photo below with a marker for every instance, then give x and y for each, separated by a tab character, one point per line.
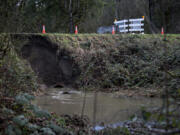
108	108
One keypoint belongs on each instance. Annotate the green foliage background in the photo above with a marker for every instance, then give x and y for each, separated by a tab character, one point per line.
28	16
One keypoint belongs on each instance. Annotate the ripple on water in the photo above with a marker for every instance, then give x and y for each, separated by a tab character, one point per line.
109	109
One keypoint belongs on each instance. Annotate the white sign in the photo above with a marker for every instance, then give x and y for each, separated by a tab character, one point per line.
131	25
135	25
122	25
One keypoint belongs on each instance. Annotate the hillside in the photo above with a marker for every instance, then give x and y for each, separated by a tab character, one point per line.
89	61
109	62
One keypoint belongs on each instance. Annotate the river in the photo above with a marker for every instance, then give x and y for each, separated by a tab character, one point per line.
109	109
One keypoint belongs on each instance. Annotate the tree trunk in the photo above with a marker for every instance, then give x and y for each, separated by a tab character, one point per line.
70	17
162	8
117	2
116	10
150	9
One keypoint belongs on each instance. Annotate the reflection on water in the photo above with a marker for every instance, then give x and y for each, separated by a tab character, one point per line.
109	109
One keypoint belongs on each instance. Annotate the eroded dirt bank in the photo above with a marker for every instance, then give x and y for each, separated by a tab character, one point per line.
97	62
52	65
105	62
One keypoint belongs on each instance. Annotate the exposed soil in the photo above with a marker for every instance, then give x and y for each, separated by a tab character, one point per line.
51	68
104	61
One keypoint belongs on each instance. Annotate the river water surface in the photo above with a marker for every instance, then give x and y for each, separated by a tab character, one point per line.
109	109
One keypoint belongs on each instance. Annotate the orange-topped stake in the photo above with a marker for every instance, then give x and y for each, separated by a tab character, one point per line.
162	31
76	30
113	30
44	29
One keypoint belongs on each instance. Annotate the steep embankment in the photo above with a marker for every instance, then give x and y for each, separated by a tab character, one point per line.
104	61
18	116
93	61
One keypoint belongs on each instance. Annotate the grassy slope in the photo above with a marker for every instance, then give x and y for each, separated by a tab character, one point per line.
106	61
113	61
120	61
18	116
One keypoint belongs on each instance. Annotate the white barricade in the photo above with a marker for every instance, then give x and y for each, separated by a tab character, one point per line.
136	25
122	25
131	25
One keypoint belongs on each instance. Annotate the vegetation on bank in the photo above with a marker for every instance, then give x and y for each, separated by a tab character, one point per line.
129	61
18	84
111	62
105	62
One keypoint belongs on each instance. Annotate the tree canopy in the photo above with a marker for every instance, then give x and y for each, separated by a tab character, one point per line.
62	15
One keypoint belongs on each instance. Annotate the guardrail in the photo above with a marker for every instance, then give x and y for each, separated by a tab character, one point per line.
122	25
131	25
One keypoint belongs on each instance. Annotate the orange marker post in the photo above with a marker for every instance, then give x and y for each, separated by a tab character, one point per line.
162	31
113	30
44	29
76	30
